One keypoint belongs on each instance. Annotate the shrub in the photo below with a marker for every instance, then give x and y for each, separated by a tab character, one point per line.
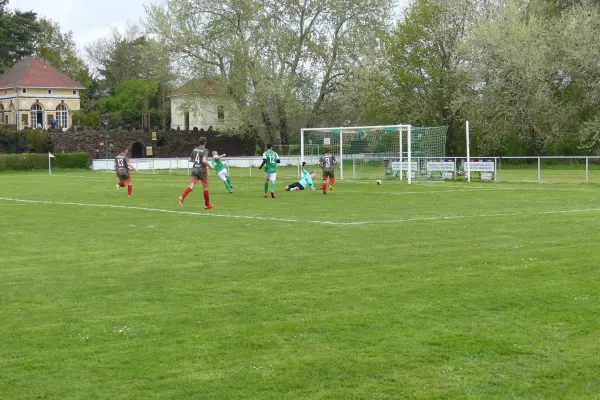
39	141
33	161
130	119
13	142
72	160
23	162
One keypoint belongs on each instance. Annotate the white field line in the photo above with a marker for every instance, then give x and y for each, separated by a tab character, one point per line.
353	223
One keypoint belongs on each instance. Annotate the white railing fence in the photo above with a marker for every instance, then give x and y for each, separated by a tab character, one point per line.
172	164
525	169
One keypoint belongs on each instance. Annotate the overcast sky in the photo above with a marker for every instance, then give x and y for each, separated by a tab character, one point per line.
90	19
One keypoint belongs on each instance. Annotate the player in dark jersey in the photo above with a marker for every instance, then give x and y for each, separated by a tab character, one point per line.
326	163
199	157
123	169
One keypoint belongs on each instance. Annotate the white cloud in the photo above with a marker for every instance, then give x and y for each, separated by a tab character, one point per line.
87	19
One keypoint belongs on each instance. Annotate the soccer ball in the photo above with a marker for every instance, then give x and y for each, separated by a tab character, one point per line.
378	181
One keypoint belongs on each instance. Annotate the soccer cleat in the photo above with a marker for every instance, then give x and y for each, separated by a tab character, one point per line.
330	188
273	194
118	186
128	195
266	196
180	202
208	207
231	186
324	192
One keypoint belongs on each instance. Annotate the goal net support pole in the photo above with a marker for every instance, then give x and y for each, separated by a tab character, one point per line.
341	157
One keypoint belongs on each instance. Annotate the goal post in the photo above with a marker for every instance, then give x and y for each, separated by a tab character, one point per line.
389	152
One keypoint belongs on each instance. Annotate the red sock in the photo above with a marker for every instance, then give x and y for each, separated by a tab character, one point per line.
331	181
185	193
206	202
324	186
129	189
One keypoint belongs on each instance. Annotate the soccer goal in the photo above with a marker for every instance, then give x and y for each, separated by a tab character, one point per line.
390	153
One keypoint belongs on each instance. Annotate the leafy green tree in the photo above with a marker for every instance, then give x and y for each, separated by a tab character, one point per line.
118	57
139	95
532	84
280	61
60	50
17	32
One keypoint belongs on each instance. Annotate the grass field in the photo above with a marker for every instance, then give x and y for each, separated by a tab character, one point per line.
429	291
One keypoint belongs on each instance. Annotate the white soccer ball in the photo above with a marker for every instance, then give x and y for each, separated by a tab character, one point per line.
378	181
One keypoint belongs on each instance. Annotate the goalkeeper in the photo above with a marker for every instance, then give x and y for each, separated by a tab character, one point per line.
306	180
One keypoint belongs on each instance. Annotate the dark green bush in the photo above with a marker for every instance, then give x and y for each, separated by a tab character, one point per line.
72	160
31	161
13	141
39	141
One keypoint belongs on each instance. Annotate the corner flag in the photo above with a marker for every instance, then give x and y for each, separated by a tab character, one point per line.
50	156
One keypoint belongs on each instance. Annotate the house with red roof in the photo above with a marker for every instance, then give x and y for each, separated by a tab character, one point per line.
33	93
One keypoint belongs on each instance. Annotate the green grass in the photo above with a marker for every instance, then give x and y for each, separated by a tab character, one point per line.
431	291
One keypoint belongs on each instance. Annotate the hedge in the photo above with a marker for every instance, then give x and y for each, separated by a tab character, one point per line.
31	161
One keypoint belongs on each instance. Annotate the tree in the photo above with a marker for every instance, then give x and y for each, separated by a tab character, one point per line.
118	57
60	50
533	80
155	58
279	60
133	95
17	32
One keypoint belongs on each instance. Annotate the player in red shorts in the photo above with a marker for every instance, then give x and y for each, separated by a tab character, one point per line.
123	170
199	157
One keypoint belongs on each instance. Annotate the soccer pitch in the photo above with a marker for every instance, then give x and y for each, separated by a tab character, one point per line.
427	291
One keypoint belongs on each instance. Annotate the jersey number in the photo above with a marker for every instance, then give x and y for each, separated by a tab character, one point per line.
271	159
120	162
327	162
197	160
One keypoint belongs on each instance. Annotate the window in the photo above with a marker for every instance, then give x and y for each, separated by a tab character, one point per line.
221	113
37	115
1	113
62	116
24	90
74	91
49	91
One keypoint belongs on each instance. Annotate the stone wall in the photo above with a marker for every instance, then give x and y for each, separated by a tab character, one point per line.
167	144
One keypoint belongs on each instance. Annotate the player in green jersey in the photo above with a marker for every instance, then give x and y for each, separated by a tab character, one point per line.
221	170
270	161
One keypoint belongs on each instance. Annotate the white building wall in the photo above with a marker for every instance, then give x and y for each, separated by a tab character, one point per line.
203	112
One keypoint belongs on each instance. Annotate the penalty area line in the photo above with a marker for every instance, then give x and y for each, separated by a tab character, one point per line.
291	220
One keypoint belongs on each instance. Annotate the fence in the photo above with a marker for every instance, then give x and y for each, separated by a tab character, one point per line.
172	164
549	169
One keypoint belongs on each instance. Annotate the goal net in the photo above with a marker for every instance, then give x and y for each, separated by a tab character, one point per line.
393	153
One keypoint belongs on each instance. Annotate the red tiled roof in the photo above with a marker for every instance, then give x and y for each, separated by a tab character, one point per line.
199	86
35	72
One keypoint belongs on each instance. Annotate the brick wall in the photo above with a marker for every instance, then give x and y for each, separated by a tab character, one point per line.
168	143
